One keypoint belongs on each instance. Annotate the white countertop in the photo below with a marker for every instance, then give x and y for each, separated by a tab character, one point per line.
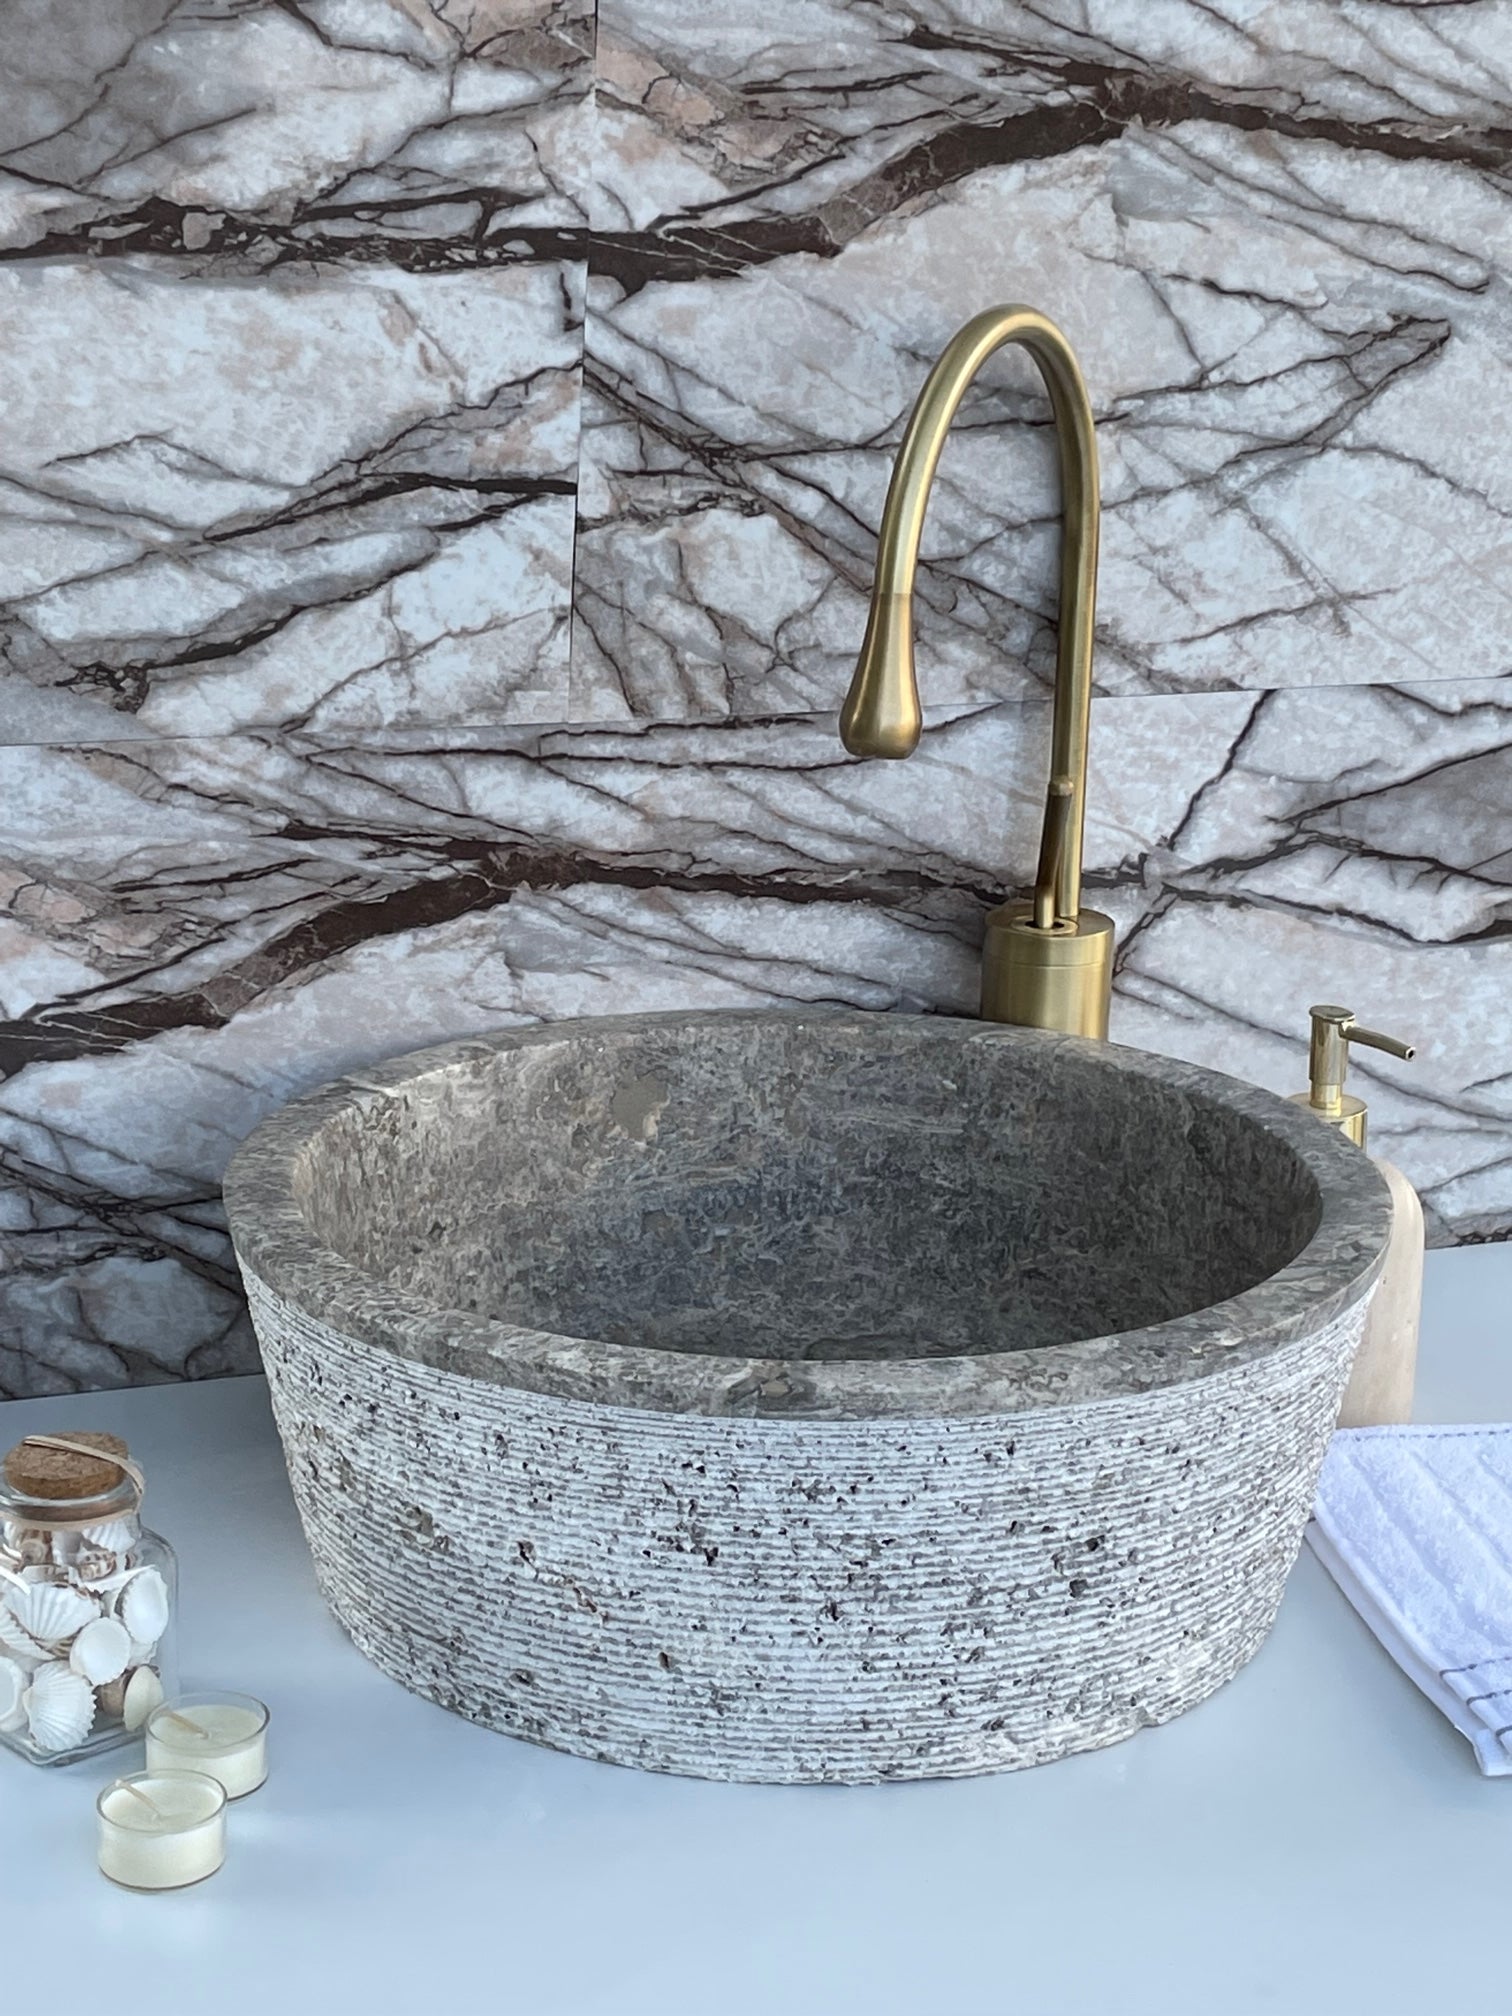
1314	1839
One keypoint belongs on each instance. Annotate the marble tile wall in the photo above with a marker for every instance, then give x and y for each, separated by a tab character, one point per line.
436	507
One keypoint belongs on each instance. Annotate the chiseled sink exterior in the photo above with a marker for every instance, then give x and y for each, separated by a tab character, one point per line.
796	1396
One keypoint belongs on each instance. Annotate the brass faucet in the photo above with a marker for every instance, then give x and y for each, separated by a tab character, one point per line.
1047	963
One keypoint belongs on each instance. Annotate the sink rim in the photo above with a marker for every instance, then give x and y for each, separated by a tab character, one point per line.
278	1252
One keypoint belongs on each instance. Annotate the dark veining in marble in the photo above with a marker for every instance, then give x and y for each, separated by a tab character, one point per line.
225	245
679	249
410	138
1077	103
482	878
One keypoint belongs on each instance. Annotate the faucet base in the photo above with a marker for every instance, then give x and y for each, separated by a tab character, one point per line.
1061	978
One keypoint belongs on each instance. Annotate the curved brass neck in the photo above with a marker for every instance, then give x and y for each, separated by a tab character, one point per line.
881	716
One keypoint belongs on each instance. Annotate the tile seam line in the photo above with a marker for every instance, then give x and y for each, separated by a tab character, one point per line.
637	724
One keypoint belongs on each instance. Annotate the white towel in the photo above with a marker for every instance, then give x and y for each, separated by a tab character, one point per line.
1415	1526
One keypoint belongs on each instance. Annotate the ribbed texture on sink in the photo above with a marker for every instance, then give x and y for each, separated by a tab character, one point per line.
782	1601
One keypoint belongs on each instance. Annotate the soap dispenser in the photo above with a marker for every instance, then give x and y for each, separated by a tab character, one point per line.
1380	1385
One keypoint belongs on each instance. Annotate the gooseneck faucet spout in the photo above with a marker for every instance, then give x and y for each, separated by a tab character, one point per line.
1047	963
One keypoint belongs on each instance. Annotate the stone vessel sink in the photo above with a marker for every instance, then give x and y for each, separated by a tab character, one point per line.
801	1396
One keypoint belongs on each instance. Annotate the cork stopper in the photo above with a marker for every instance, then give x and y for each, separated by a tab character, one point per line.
36	1472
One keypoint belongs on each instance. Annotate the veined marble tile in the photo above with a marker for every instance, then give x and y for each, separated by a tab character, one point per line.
335	500
194	930
1280	246
1354	847
726	115
239	135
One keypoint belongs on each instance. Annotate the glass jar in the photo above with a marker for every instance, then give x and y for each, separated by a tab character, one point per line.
88	1596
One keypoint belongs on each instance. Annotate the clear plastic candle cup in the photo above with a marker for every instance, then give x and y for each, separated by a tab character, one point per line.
223	1735
161	1830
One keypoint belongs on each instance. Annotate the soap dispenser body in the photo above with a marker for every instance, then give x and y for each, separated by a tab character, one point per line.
1385	1368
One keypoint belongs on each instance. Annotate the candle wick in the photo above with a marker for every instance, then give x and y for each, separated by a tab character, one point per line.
155	1810
194	1728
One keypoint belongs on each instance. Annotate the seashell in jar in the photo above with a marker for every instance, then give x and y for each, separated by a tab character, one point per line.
60	1707
101	1650
111	1698
34	1547
18	1644
13	1679
142	1605
51	1612
95	1566
140	1654
144	1691
112	1536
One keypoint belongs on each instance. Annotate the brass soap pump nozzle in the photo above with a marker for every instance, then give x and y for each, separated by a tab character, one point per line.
1333	1030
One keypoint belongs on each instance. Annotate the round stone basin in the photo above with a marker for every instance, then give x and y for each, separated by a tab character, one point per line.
804	1396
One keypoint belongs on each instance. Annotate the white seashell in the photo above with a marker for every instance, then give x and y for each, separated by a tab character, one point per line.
140	1654
60	1707
16	1643
101	1650
144	1691
12	1688
142	1606
115	1536
51	1611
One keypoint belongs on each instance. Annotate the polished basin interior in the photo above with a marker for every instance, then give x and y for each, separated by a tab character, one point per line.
750	1185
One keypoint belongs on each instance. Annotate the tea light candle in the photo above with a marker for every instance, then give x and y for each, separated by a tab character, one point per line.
224	1735
162	1829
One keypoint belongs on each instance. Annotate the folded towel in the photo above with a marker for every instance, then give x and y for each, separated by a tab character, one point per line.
1415	1526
